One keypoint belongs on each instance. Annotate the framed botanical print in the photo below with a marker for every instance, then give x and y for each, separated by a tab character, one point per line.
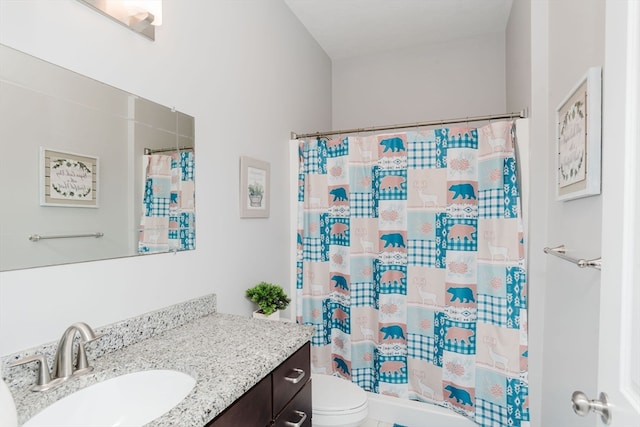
578	139
254	188
68	179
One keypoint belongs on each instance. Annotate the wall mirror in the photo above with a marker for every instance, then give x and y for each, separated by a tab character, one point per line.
88	171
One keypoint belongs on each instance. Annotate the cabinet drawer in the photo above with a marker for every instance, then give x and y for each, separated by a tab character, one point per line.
297	409
252	409
290	377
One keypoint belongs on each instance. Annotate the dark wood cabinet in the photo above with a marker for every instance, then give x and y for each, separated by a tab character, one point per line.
298	411
282	398
252	409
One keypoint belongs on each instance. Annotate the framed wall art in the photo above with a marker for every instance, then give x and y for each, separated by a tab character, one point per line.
578	139
254	188
68	179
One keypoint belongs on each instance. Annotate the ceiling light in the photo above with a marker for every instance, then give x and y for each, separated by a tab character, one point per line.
141	16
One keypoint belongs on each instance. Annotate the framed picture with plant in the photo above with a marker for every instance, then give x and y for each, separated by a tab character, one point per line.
68	179
578	138
254	188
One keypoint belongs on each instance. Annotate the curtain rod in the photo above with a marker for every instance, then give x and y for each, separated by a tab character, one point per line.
521	114
148	151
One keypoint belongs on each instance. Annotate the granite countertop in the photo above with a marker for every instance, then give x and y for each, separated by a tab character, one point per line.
226	354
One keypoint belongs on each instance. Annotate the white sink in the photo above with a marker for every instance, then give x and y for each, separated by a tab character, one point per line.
128	400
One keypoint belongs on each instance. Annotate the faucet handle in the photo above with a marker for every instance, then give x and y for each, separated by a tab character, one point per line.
44	381
82	364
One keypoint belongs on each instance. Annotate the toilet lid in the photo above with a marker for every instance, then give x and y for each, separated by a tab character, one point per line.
331	393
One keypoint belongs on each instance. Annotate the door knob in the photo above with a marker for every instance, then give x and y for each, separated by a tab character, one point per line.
582	406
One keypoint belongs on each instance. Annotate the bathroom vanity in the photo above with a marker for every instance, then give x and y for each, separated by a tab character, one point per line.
282	398
248	371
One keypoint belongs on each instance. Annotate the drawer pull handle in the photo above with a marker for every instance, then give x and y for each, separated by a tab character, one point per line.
302	416
296	380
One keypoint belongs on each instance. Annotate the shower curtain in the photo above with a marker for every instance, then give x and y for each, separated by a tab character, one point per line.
168	211
410	264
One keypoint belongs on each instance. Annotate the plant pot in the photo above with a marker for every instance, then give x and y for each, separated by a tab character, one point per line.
273	316
255	201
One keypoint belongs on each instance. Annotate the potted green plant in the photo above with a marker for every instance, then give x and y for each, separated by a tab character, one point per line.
270	299
256	191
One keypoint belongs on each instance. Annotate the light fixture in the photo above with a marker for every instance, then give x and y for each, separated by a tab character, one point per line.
141	16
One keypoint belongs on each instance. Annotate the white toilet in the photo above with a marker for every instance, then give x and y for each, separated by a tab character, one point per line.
337	402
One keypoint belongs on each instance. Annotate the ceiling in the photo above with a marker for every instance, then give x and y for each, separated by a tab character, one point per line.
348	28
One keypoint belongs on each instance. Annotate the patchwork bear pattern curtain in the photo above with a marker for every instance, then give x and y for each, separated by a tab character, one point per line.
168	211
410	263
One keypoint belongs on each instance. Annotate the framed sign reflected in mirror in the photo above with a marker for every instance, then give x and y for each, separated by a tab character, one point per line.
578	139
254	188
68	179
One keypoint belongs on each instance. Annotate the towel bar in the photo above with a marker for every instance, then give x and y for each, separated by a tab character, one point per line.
37	237
560	252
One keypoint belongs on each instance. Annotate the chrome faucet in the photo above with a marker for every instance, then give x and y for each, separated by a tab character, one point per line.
63	361
63	367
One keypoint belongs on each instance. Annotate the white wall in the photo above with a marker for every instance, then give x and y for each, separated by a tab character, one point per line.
249	73
526	77
431	82
571	304
566	37
518	56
